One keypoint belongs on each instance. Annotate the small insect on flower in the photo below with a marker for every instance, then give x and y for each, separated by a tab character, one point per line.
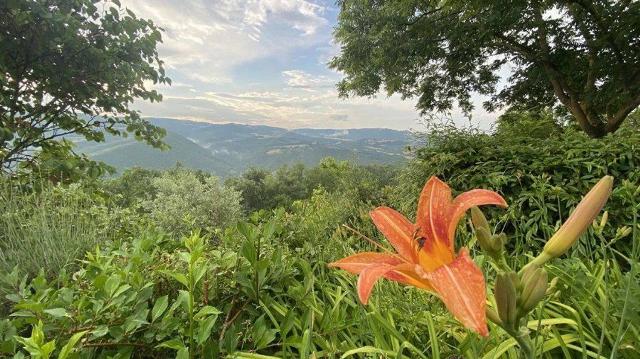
418	238
425	256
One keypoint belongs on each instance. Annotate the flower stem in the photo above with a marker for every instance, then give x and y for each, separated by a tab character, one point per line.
524	341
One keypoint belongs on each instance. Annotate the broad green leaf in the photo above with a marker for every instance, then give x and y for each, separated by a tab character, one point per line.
68	348
205	327
56	312
171	344
159	307
206	311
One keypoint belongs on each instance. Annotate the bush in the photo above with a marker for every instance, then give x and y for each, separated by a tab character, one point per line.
184	201
262	189
542	178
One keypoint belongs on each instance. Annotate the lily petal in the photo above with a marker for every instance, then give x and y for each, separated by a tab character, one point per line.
368	277
461	287
405	273
433	211
397	229
358	262
466	200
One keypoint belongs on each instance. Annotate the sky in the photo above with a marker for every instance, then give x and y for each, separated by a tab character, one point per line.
262	62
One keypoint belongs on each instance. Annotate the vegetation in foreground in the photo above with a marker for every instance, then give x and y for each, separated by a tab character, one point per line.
179	264
133	270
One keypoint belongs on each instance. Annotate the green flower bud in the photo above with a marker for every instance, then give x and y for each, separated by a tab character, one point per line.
493	316
534	287
578	222
506	299
552	286
485	240
479	220
490	244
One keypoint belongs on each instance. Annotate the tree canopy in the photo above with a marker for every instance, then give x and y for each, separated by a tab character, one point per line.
73	67
581	55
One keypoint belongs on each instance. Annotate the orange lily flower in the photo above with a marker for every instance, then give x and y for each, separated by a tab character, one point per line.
425	255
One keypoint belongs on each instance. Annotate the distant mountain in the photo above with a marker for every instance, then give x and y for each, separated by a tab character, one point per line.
230	149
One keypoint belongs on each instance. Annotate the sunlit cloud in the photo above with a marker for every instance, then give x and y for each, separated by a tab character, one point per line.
259	62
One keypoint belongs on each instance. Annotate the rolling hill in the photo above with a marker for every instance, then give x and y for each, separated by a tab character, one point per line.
230	149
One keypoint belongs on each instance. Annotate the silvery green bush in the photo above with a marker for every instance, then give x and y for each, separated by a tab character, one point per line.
184	201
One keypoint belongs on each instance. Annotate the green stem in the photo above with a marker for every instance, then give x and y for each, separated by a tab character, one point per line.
191	305
521	336
502	264
524	341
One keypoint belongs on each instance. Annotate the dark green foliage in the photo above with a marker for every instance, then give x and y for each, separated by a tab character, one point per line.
542	177
73	66
583	55
262	189
132	187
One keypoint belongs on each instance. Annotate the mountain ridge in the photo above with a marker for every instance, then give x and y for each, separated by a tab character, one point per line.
229	149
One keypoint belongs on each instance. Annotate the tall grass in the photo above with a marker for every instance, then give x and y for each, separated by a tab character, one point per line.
47	228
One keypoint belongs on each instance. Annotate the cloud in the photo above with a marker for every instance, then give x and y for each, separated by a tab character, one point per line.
260	62
340	117
301	79
205	40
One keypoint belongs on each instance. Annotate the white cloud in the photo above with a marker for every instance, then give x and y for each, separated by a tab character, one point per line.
205	40
301	79
208	43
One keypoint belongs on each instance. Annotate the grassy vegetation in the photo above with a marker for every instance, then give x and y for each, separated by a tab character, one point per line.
118	282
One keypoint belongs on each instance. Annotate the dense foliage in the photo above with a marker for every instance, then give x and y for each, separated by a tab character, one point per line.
542	176
583	55
72	67
182	202
262	189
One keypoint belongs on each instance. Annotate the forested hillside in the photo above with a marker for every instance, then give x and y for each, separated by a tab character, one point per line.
230	149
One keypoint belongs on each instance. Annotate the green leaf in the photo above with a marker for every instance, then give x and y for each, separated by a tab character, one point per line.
68	348
174	344
100	331
206	311
177	276
112	284
183	353
56	312
204	331
184	299
159	307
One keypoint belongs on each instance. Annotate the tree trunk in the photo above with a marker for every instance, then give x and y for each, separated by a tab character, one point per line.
588	122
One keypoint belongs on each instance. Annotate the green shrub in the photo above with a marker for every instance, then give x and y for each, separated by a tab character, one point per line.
262	189
184	201
542	179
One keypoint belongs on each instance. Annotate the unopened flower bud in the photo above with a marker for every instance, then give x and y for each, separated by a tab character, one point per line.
485	240
493	316
604	219
534	287
490	244
578	222
623	232
506	298
479	220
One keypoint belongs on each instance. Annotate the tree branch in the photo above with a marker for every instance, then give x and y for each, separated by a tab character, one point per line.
614	122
